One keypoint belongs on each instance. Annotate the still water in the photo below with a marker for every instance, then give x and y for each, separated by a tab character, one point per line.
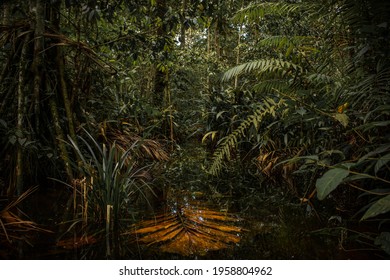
230	217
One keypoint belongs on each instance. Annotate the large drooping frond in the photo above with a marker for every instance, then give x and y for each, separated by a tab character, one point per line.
287	43
268	107
256	11
270	85
262	65
139	146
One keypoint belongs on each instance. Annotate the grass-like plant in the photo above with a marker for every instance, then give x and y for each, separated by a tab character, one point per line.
111	182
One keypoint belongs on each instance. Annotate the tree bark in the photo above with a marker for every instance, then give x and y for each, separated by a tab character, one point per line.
5	13
38	65
61	75
238	55
60	138
19	124
183	25
208	51
160	82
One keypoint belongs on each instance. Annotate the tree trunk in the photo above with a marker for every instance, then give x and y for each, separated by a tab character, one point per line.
238	56
38	65
61	75
160	82
65	95
183	25
5	13
216	42
208	51
60	138
19	124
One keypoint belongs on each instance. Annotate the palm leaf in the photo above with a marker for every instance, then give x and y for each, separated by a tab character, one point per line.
189	230
139	147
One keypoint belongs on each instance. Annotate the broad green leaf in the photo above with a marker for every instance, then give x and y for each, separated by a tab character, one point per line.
3	123
380	149
348	165
342	118
22	141
301	111
382	123
384	241
308	159
311	158
12	139
333	152
356	177
329	181
381	162
380	207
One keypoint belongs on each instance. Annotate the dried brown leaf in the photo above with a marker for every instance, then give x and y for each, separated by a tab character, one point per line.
190	230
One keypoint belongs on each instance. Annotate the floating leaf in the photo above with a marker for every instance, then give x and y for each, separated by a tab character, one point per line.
379	207
329	181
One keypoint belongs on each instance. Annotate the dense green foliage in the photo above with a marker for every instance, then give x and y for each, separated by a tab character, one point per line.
97	95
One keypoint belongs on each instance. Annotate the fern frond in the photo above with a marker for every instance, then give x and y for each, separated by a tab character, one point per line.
256	11
267	86
284	42
229	143
320	79
264	65
374	85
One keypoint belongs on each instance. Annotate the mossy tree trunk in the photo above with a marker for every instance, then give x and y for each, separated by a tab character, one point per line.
20	121
38	67
60	64
61	90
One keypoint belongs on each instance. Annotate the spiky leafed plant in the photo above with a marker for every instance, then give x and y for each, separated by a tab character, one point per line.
110	184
